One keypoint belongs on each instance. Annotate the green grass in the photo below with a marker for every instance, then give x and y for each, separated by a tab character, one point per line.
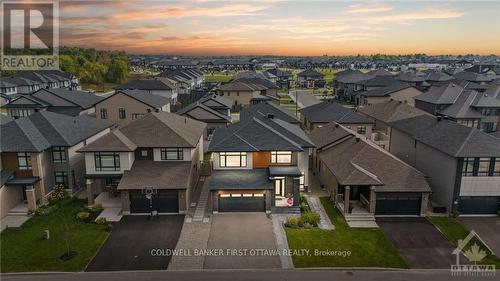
221	78
24	250
367	247
453	230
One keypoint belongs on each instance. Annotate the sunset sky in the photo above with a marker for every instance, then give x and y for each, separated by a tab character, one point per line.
283	27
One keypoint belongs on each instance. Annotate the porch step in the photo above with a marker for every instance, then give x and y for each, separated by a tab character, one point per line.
17	213
349	218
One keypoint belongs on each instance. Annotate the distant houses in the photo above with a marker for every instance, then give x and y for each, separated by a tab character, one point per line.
311	78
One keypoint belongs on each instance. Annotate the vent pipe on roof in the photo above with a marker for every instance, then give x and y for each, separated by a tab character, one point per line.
270	115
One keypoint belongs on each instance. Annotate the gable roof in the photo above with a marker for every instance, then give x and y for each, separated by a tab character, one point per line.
310	73
82	99
463	106
144	84
26	101
380	72
114	141
449	137
146	98
329	111
222	101
446	94
186	110
391	111
44	129
273	134
385	91
265	108
381	81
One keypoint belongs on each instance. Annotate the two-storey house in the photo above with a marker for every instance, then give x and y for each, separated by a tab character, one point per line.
310	78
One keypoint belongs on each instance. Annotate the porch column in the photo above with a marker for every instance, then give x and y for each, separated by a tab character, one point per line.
31	198
424	204
373	199
347	191
268	201
125	202
296	192
89	191
215	202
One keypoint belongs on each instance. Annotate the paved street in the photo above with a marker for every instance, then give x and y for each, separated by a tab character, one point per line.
488	229
252	275
239	232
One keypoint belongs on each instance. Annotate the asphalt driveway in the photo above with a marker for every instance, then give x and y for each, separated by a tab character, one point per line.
129	245
418	242
488	228
236	233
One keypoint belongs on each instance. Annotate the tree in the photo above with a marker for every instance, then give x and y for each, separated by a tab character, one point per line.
92	72
67	64
117	71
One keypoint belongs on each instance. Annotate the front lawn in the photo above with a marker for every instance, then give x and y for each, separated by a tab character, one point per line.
220	78
453	230
24	250
367	247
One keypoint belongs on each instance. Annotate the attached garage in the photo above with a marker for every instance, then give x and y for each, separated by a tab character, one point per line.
163	201
479	205
403	204
237	202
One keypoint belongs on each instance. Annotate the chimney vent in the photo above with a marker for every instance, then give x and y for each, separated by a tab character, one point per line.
270	115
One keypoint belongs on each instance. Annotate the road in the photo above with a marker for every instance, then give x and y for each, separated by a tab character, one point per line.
247	275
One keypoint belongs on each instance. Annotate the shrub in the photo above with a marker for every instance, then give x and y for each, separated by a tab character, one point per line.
58	193
39	212
95	208
292	222
304	206
311	218
101	220
83	216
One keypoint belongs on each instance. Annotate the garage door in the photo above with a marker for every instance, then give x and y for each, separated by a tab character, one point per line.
479	205
162	202
242	203
398	204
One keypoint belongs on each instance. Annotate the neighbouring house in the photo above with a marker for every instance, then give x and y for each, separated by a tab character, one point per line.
266	109
320	114
157	156
310	78
384	113
380	72
192	77
59	100
152	86
125	106
47	79
348	82
461	163
259	164
7	88
243	90
39	152
398	91
282	79
415	79
364	180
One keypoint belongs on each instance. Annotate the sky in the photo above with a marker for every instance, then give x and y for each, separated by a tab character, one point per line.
273	27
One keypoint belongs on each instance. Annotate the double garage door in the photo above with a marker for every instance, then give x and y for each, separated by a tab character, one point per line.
242	202
479	205
398	204
163	202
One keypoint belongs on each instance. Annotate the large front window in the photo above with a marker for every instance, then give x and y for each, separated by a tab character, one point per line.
468	168
107	161
172	154
233	159
59	154
24	161
281	157
484	167
61	178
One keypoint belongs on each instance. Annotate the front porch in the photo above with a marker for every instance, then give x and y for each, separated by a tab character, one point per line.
357	205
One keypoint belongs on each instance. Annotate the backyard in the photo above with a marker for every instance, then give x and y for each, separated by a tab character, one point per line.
25	250
368	247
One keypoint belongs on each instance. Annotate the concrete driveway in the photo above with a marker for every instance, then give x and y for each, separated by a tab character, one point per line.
418	242
488	228
129	245
237	232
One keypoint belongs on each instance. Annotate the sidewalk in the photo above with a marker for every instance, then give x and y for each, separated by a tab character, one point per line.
312	197
194	236
281	240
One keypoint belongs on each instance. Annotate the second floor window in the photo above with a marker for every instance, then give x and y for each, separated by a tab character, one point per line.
362	130
232	159
281	157
136	116
59	154
104	113
121	113
172	154
468	168
496	168
107	161
484	167
24	160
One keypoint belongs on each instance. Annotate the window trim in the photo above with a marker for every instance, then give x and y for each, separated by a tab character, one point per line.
62	152
496	167
468	167
242	155
361	129
164	153
98	161
104	113
275	154
483	160
27	158
121	111
64	176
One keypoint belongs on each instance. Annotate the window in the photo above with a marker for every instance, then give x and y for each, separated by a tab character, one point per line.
61	178
484	167
59	154
281	157
210	132
144	153
104	113
24	161
232	159
136	116
107	161
172	154
496	168
121	113
468	168
362	130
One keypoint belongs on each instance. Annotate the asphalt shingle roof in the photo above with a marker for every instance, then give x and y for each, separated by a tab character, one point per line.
146	98
263	109
329	111
144	84
385	91
391	111
446	94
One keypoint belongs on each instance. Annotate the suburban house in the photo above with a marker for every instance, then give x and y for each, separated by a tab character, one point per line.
257	172
320	114
415	79
149	165
39	152
46	79
466	107
59	100
243	90
282	79
21	85
384	113
363	179
192	77
461	163
380	72
125	106
267	108
152	86
310	78
398	91
348	82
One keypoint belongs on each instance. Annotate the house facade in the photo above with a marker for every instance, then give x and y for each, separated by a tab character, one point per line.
310	78
244	90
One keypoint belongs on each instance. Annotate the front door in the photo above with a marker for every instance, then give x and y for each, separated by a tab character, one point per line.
279	187
354	194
